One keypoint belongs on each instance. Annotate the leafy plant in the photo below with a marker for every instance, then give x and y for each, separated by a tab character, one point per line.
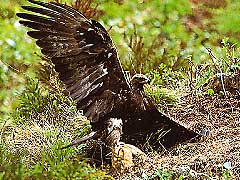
35	100
163	175
210	92
16	59
222	74
163	97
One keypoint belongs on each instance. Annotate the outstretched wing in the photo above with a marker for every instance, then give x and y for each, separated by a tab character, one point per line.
88	64
83	54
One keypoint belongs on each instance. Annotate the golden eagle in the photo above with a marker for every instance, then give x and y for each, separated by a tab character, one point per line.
87	62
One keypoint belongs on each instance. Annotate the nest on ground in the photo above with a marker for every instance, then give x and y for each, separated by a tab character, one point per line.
219	120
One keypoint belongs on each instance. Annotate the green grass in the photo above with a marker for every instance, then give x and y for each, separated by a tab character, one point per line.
32	138
54	163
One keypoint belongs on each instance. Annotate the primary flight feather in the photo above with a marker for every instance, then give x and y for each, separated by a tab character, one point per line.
87	62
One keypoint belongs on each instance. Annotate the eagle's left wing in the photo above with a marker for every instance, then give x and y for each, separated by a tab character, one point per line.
83	54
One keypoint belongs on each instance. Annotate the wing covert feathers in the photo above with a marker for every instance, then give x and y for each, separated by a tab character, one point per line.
82	51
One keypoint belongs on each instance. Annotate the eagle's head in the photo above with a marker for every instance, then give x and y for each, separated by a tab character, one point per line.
138	80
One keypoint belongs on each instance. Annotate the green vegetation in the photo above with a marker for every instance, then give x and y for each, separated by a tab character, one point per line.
163	175
53	164
180	45
32	137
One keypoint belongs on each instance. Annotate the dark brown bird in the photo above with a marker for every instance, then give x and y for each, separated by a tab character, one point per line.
87	62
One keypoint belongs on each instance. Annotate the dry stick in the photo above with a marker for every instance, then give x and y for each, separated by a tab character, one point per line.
2	131
11	67
213	57
191	84
134	68
109	29
130	45
92	135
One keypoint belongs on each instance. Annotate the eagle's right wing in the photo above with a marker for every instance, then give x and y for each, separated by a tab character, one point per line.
83	54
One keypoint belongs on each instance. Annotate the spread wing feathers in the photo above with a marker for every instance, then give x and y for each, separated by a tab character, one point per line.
83	54
87	62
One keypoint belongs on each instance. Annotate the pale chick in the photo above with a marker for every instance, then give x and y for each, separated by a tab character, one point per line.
124	157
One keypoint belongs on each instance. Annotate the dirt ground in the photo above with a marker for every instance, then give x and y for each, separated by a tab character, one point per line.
218	151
